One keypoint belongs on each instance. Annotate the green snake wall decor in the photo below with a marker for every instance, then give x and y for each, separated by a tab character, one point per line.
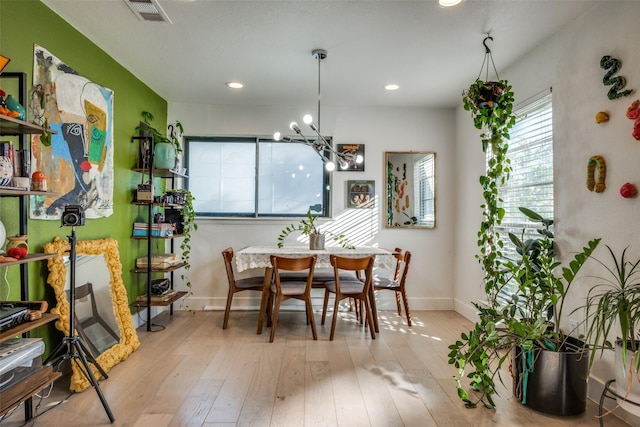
616	83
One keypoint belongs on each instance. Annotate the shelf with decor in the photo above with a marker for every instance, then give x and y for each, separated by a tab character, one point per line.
10	126
148	231
37	378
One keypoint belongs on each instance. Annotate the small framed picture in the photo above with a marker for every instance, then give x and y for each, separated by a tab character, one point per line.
361	194
354	156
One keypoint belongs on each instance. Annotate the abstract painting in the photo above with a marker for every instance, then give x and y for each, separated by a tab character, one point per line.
77	159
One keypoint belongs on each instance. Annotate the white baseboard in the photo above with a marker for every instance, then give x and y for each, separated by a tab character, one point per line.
241	302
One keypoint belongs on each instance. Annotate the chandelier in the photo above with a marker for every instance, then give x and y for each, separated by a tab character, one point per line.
323	147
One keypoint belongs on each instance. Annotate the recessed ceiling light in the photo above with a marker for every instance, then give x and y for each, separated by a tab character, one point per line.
392	86
234	85
449	3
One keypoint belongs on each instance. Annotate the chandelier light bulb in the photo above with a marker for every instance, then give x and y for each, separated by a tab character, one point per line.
276	136
449	3
307	119
294	127
330	166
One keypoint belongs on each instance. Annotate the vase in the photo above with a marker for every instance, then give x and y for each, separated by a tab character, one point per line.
164	155
626	374
6	170
3	236
316	242
14	105
18	242
556	381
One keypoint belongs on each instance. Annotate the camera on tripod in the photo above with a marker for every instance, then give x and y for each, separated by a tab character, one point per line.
73	216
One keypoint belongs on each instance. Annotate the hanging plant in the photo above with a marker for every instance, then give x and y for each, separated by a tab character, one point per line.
494	117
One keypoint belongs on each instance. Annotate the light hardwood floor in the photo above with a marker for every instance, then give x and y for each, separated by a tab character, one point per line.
195	374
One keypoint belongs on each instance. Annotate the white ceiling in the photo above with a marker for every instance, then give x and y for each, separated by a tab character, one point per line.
433	53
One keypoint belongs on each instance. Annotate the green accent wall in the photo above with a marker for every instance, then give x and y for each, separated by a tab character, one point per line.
24	23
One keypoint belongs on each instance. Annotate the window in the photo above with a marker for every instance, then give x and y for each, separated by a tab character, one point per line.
531	182
424	191
255	177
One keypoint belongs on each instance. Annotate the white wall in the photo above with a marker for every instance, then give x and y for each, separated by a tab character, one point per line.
570	63
429	283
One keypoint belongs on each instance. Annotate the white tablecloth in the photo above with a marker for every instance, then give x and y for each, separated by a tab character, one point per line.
258	256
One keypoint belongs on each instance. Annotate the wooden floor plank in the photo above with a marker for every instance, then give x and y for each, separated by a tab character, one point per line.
193	373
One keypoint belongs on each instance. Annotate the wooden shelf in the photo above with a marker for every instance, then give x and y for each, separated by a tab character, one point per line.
28	258
159	270
12	191
174	236
168	302
13	126
164	205
162	173
38	378
27	326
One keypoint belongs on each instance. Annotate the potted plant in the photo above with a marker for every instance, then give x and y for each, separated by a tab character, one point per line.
167	147
495	123
316	237
612	313
186	226
522	327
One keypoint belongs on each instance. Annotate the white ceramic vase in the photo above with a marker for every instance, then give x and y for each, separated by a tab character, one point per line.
3	236
624	375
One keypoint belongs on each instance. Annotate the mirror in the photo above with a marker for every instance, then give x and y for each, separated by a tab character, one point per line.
410	193
103	318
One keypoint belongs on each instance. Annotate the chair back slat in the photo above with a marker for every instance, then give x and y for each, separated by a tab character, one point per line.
353	264
293	264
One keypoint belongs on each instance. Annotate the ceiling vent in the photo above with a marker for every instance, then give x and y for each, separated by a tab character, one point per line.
148	10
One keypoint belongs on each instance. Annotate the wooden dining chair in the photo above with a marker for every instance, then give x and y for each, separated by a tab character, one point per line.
398	282
254	283
359	290
398	254
284	290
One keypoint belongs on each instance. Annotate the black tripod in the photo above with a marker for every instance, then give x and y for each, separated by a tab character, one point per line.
72	347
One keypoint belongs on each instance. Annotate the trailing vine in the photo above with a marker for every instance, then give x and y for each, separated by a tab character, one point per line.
494	116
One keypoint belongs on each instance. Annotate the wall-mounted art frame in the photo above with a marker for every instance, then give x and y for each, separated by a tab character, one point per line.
352	151
361	194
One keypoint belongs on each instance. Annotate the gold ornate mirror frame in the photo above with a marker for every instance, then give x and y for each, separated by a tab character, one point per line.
129	341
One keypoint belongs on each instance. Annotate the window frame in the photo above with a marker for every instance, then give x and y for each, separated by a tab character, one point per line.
536	105
256	140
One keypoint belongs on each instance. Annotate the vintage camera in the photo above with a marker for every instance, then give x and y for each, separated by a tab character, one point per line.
72	216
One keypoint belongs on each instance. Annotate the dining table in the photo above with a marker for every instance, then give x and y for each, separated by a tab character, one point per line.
257	257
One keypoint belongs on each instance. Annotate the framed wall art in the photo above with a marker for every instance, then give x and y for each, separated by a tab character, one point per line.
354	155
361	194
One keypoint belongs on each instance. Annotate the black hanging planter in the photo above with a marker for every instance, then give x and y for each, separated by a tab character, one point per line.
489	95
557	384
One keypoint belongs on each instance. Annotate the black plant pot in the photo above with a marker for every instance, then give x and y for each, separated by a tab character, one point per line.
489	95
558	383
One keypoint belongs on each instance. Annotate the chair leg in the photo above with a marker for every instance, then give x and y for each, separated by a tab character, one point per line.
406	307
373	308
335	318
324	306
398	303
369	319
311	319
274	322
228	309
